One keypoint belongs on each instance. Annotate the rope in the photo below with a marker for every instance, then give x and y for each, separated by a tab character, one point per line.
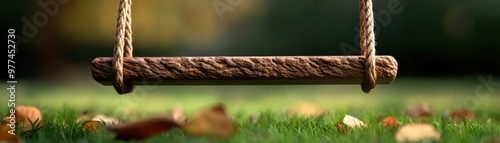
367	44
123	39
123	45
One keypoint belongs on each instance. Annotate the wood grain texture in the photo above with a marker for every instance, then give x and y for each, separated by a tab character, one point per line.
221	70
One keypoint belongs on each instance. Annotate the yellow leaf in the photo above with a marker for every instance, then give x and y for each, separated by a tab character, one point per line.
92	125
416	132
26	115
212	121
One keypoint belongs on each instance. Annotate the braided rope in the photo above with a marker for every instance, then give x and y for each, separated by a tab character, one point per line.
123	39
123	45
367	44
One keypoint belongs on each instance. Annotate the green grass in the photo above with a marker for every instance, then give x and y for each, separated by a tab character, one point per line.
61	104
59	126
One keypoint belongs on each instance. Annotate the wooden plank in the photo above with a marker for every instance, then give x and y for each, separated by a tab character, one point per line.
224	70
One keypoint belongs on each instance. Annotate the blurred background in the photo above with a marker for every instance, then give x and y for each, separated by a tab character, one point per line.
442	47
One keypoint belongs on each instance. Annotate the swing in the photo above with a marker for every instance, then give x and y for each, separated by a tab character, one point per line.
123	71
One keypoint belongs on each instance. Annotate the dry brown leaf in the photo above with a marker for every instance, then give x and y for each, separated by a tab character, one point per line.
306	109
495	140
212	121
108	121
353	122
492	140
462	114
421	110
84	116
416	132
7	134
145	128
92	126
341	128
390	121
25	114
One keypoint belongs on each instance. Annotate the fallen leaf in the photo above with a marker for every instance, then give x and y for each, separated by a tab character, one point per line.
491	140
462	114
142	129
353	122
421	110
341	128
306	109
25	114
98	122
178	115
5	134
495	140
92	126
212	121
416	132
108	121
84	116
390	121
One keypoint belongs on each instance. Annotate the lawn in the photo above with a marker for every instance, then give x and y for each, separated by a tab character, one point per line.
61	104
